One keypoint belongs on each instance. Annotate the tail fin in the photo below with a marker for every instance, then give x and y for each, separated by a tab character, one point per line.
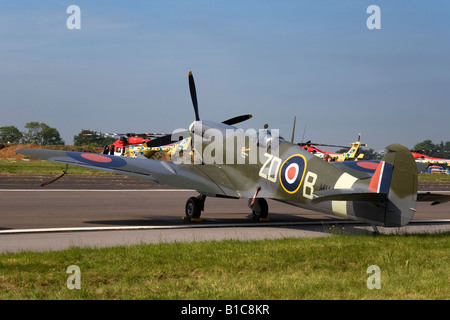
402	193
388	199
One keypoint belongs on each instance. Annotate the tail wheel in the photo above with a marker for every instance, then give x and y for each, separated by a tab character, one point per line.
193	208
260	209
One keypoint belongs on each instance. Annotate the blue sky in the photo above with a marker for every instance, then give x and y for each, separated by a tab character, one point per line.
126	69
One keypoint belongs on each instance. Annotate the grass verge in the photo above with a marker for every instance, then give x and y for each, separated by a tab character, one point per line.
412	267
39	167
434	177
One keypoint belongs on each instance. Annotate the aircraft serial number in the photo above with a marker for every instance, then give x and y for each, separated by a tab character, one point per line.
270	168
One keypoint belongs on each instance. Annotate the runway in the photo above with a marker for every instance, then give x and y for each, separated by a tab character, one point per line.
110	210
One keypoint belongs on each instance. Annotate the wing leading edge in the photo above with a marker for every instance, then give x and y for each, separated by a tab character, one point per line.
163	172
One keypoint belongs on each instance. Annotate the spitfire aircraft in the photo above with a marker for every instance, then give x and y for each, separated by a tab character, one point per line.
224	161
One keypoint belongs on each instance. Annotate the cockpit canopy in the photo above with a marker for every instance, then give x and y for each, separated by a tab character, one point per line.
266	138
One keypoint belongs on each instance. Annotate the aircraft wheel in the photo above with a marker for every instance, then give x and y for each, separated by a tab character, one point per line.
193	208
260	209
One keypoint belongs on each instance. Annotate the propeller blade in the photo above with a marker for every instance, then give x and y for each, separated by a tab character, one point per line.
159	141
193	95
329	145
168	139
128	135
359	140
309	143
237	119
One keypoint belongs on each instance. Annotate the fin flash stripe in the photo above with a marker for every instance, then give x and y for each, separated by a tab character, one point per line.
381	179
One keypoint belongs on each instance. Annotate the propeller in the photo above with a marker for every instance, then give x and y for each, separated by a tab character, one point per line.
193	95
193	92
162	141
237	119
168	138
359	140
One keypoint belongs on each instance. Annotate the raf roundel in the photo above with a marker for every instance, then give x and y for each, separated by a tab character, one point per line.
99	160
291	173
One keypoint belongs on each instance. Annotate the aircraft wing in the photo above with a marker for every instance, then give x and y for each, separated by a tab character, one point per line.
433	197
163	172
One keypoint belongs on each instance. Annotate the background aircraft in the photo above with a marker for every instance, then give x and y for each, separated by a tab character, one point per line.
128	143
380	193
351	154
422	158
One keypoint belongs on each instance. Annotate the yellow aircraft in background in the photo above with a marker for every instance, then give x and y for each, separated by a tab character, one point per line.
351	154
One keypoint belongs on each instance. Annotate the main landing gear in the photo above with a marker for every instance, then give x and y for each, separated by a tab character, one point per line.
195	206
259	206
260	209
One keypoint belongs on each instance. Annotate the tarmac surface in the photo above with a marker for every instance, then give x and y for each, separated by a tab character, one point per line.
99	211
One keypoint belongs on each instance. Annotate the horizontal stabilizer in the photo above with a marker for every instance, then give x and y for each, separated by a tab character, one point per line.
348	195
433	197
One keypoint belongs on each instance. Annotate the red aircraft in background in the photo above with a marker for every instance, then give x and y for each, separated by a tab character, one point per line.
422	158
351	154
119	147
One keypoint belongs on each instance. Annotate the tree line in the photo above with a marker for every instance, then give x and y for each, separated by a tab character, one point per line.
37	133
438	150
42	134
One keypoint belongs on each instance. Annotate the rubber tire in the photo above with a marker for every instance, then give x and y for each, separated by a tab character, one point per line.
260	209
193	208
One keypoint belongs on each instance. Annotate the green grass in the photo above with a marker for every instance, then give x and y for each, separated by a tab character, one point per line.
412	267
434	177
43	167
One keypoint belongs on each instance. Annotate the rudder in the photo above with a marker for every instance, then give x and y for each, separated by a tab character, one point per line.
402	195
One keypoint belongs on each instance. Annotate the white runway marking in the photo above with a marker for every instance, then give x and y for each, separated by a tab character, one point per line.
96	190
192	226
